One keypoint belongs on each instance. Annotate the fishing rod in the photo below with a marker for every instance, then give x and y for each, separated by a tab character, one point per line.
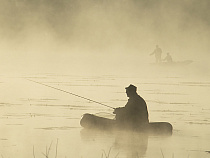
70	93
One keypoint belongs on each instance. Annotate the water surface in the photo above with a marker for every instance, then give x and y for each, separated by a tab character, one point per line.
37	120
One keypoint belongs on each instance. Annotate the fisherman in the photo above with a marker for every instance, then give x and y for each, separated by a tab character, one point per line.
157	52
135	113
168	58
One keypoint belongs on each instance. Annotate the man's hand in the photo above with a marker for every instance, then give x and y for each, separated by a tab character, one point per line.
116	110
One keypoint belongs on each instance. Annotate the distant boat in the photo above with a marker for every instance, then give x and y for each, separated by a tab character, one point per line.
90	121
175	63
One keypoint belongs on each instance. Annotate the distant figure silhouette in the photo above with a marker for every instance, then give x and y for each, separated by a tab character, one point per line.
168	58
135	112
157	52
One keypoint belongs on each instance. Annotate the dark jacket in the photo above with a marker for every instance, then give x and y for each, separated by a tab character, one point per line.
134	113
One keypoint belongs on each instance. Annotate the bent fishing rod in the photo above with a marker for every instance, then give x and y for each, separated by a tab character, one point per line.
70	93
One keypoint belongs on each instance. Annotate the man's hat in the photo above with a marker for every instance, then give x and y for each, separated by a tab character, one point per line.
131	88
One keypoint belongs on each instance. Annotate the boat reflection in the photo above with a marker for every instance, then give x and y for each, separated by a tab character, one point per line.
133	144
127	143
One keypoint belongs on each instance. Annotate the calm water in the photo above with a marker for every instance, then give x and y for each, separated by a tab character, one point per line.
38	121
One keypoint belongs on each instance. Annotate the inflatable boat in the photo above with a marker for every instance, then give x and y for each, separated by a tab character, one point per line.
90	121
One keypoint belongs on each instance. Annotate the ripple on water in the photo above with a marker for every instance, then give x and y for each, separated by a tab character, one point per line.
58	128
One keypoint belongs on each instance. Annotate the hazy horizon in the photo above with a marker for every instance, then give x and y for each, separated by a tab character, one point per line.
96	48
48	34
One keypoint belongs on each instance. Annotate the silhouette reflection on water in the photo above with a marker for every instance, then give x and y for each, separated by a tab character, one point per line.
127	143
133	144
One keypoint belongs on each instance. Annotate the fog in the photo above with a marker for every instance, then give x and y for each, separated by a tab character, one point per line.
49	32
95	48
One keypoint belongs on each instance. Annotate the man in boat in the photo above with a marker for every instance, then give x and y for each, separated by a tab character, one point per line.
157	52
168	58
135	113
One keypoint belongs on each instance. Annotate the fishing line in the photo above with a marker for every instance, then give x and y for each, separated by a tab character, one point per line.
70	93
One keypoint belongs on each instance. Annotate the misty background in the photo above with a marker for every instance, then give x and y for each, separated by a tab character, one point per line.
52	34
95	48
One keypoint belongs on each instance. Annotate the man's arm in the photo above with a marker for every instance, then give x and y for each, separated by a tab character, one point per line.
153	52
118	110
